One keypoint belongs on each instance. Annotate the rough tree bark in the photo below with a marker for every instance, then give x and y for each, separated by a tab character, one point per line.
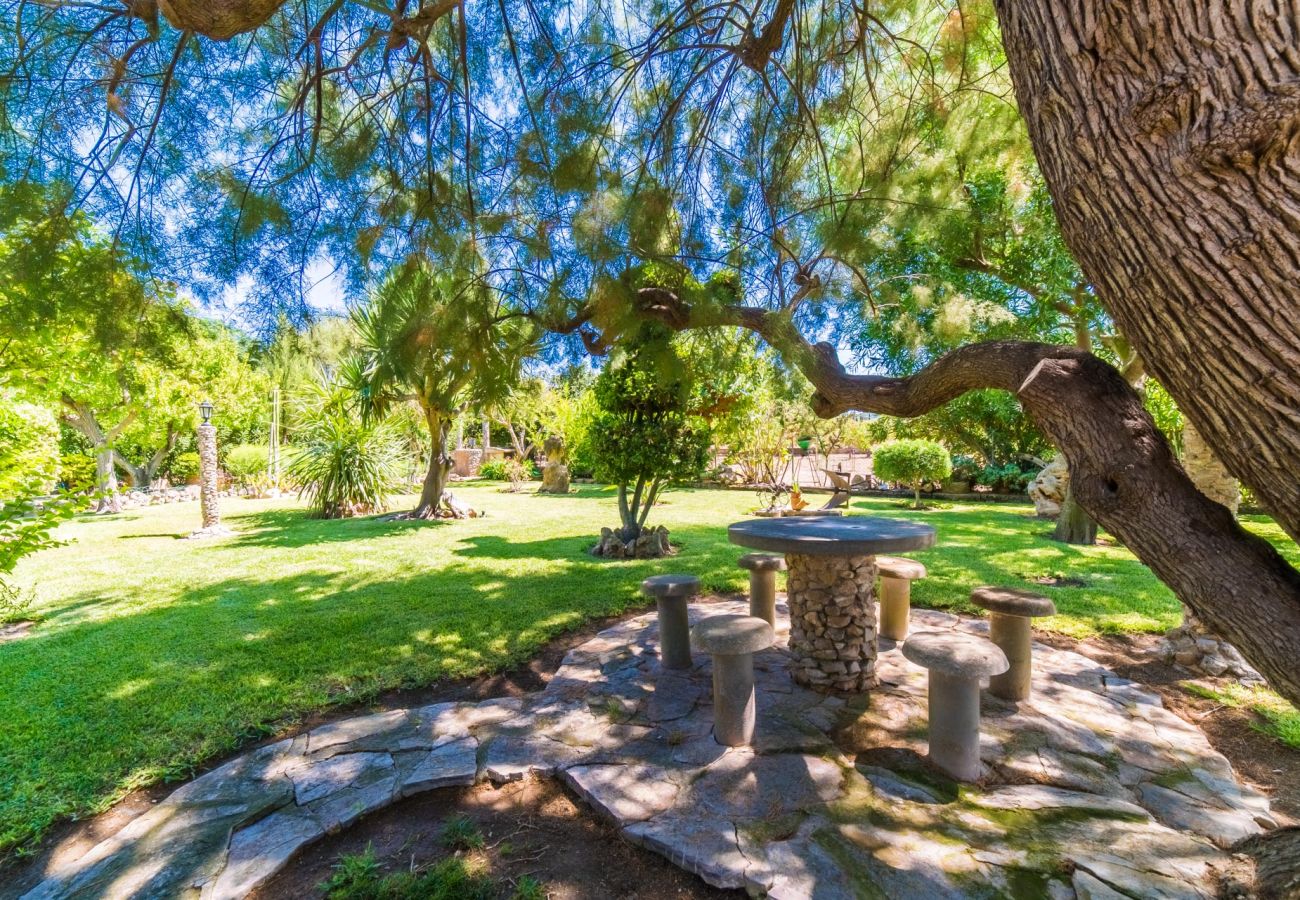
82	418
1169	136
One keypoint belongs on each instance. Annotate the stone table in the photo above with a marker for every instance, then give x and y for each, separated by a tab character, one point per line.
831	589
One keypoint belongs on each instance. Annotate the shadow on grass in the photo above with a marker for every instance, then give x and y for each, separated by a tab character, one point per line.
297	528
97	706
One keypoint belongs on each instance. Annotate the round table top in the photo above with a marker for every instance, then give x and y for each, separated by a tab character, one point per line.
821	536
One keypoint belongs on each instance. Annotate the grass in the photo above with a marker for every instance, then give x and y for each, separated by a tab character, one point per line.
1277	718
360	877
155	654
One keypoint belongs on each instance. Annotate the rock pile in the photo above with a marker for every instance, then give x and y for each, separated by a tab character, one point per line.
1193	646
650	544
135	499
833	621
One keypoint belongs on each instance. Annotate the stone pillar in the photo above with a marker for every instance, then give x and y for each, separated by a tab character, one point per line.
674	632
208	476
212	526
832	621
555	474
895	607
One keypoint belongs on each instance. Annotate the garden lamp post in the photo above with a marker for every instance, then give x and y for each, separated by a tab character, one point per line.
207	441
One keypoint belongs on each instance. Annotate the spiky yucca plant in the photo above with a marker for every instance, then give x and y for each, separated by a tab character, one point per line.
346	465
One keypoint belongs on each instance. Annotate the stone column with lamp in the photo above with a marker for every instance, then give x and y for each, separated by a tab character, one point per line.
207	444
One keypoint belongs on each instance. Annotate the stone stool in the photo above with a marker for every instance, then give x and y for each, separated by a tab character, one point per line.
732	641
896	576
762	584
957	661
1009	613
672	593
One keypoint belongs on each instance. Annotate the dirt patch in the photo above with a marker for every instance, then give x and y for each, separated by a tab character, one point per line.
530	828
15	630
1259	759
1060	581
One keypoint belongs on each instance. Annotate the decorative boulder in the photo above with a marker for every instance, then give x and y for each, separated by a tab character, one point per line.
555	474
1047	490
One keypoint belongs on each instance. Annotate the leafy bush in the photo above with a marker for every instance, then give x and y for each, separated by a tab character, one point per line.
77	472
964	468
184	468
912	462
493	470
1007	479
518	472
244	462
344	465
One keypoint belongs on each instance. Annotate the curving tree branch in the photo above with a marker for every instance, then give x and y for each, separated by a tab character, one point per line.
1123	472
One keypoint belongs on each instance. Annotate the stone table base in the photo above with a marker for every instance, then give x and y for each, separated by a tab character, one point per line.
832	603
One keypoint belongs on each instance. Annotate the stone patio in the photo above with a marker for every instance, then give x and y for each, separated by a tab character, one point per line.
1094	789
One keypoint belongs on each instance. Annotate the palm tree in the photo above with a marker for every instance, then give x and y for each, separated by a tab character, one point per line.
443	340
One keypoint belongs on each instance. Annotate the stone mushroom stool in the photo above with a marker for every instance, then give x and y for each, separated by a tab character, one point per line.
1009	613
732	641
762	584
957	661
672	593
896	576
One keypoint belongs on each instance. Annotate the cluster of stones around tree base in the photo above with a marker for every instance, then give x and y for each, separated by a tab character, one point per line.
1093	788
652	543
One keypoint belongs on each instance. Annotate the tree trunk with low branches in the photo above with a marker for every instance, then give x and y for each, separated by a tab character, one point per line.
439	470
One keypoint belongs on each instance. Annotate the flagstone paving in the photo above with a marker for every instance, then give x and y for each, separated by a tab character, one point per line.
1092	790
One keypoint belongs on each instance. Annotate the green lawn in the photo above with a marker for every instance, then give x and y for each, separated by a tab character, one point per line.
155	654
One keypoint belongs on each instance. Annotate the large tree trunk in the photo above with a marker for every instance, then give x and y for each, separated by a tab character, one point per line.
81	417
1123	473
435	478
1192	643
109	500
1169	135
142	477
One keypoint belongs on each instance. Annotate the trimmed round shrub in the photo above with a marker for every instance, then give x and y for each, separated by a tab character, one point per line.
911	462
